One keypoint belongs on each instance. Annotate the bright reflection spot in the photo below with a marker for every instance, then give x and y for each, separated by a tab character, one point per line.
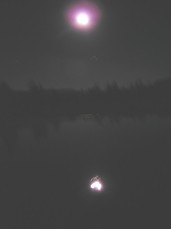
82	19
96	184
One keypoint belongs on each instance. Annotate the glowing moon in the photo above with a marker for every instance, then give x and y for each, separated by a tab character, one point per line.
83	15
96	184
82	18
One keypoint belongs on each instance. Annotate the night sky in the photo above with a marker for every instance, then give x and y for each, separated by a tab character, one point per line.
130	42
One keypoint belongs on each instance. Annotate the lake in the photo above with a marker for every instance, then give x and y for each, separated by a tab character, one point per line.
46	167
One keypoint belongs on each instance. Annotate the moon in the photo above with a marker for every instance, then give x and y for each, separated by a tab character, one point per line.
82	18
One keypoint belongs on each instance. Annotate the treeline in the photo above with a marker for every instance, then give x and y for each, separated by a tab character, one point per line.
137	100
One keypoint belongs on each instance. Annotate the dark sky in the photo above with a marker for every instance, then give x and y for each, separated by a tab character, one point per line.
131	42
